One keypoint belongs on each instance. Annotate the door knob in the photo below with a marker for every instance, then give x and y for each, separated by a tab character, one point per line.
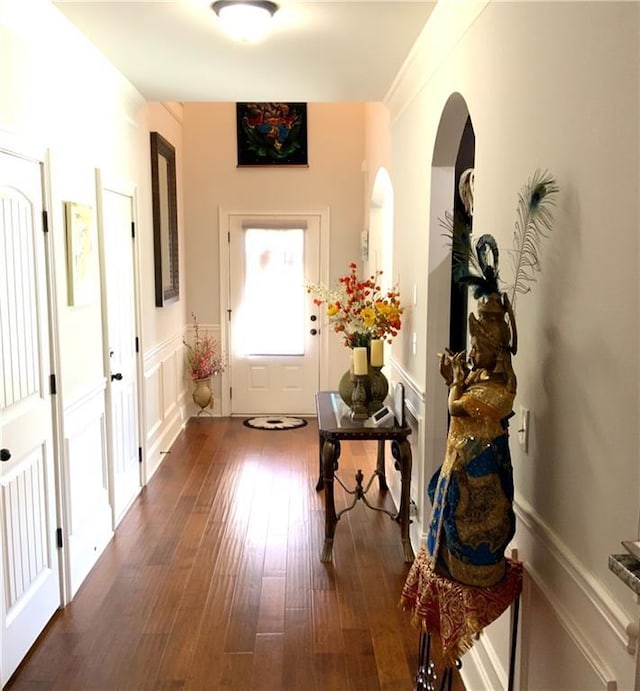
313	317
313	332
5	454
117	376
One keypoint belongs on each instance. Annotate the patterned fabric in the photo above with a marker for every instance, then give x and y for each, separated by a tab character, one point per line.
455	612
472	519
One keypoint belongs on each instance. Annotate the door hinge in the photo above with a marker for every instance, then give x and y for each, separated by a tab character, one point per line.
137	345
45	221
59	538
139	454
230	392
133	229
229	237
229	314
52	385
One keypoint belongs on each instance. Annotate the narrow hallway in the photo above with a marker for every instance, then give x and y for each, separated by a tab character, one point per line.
213	579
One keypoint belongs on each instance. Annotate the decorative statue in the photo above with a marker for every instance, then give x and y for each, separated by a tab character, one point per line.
461	580
472	520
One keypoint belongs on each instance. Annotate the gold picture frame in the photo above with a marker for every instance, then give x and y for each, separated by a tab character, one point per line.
81	254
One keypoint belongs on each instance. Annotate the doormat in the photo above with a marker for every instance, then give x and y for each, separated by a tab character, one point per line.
275	423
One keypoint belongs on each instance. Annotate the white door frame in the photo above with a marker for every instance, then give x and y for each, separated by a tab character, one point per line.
127	189
224	289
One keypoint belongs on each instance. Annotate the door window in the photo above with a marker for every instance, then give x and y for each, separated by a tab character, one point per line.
272	314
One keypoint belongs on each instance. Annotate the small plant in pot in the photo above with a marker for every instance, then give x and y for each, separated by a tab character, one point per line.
204	360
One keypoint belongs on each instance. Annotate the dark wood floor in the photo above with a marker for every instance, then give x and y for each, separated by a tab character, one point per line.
213	580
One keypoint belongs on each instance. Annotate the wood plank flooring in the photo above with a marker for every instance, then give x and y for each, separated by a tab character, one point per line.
213	579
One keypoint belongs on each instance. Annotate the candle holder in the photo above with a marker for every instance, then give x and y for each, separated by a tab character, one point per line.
359	399
379	387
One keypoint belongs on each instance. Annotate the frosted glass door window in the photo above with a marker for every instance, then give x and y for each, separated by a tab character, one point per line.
273	310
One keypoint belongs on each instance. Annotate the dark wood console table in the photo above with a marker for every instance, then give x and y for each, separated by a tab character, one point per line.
335	426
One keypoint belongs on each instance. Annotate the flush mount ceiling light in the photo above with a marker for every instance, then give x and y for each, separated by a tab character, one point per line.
245	20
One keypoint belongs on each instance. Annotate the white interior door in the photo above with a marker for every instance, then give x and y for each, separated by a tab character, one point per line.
121	358
274	330
30	586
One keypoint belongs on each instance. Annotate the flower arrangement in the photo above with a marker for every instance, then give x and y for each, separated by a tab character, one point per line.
204	357
360	310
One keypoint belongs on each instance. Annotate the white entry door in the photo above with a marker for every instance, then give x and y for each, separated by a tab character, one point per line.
274	328
30	583
120	348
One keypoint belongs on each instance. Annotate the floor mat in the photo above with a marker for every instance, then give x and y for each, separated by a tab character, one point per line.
275	422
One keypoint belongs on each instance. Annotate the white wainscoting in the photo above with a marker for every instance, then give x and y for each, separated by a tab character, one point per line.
164	400
572	633
85	477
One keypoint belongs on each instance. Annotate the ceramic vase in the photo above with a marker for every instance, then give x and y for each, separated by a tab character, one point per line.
202	395
375	384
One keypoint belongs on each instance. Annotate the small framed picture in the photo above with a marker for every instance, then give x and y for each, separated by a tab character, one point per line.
82	254
272	134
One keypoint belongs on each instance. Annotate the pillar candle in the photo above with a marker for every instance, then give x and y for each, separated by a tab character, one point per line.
377	356
360	366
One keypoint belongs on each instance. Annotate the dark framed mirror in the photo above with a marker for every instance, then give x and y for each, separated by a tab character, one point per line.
165	219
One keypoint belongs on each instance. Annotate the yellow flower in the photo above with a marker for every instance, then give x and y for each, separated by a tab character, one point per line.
332	309
368	316
383	307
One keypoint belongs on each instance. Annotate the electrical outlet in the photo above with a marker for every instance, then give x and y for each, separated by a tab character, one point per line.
523	428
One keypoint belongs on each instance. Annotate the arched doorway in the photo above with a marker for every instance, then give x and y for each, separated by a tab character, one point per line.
453	153
380	248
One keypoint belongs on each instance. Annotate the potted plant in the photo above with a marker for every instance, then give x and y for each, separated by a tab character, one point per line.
204	360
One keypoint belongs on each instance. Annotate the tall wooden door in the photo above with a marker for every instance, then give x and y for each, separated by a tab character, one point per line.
30	585
116	212
275	345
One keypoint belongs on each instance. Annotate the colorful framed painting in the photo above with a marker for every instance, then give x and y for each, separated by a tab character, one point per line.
272	134
81	254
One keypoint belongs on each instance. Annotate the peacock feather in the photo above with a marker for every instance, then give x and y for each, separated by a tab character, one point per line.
533	223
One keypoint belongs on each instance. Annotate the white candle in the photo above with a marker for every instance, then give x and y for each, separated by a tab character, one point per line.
377	353
360	361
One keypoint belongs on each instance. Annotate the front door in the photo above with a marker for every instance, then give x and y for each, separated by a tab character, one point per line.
274	332
120	347
30	583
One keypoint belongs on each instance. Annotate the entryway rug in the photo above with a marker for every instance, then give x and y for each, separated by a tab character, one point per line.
275	422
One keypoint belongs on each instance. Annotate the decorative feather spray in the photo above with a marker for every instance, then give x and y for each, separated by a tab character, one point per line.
533	223
477	267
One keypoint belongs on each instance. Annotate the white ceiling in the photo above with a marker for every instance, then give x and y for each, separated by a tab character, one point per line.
175	50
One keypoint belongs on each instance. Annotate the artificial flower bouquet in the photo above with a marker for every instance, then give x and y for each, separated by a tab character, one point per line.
204	357
360	310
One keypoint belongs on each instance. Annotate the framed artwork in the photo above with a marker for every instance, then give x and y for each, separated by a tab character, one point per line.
81	254
165	220
272	134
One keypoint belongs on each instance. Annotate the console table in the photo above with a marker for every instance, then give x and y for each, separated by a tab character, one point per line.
336	426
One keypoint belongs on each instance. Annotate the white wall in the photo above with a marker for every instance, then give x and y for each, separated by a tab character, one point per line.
548	85
333	180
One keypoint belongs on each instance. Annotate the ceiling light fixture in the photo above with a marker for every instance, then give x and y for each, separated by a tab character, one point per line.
245	20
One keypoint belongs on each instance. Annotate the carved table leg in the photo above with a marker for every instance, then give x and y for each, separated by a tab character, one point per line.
320	483
401	451
330	455
380	470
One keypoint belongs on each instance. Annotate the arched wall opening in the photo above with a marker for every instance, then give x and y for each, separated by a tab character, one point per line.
380	237
454	152
380	246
